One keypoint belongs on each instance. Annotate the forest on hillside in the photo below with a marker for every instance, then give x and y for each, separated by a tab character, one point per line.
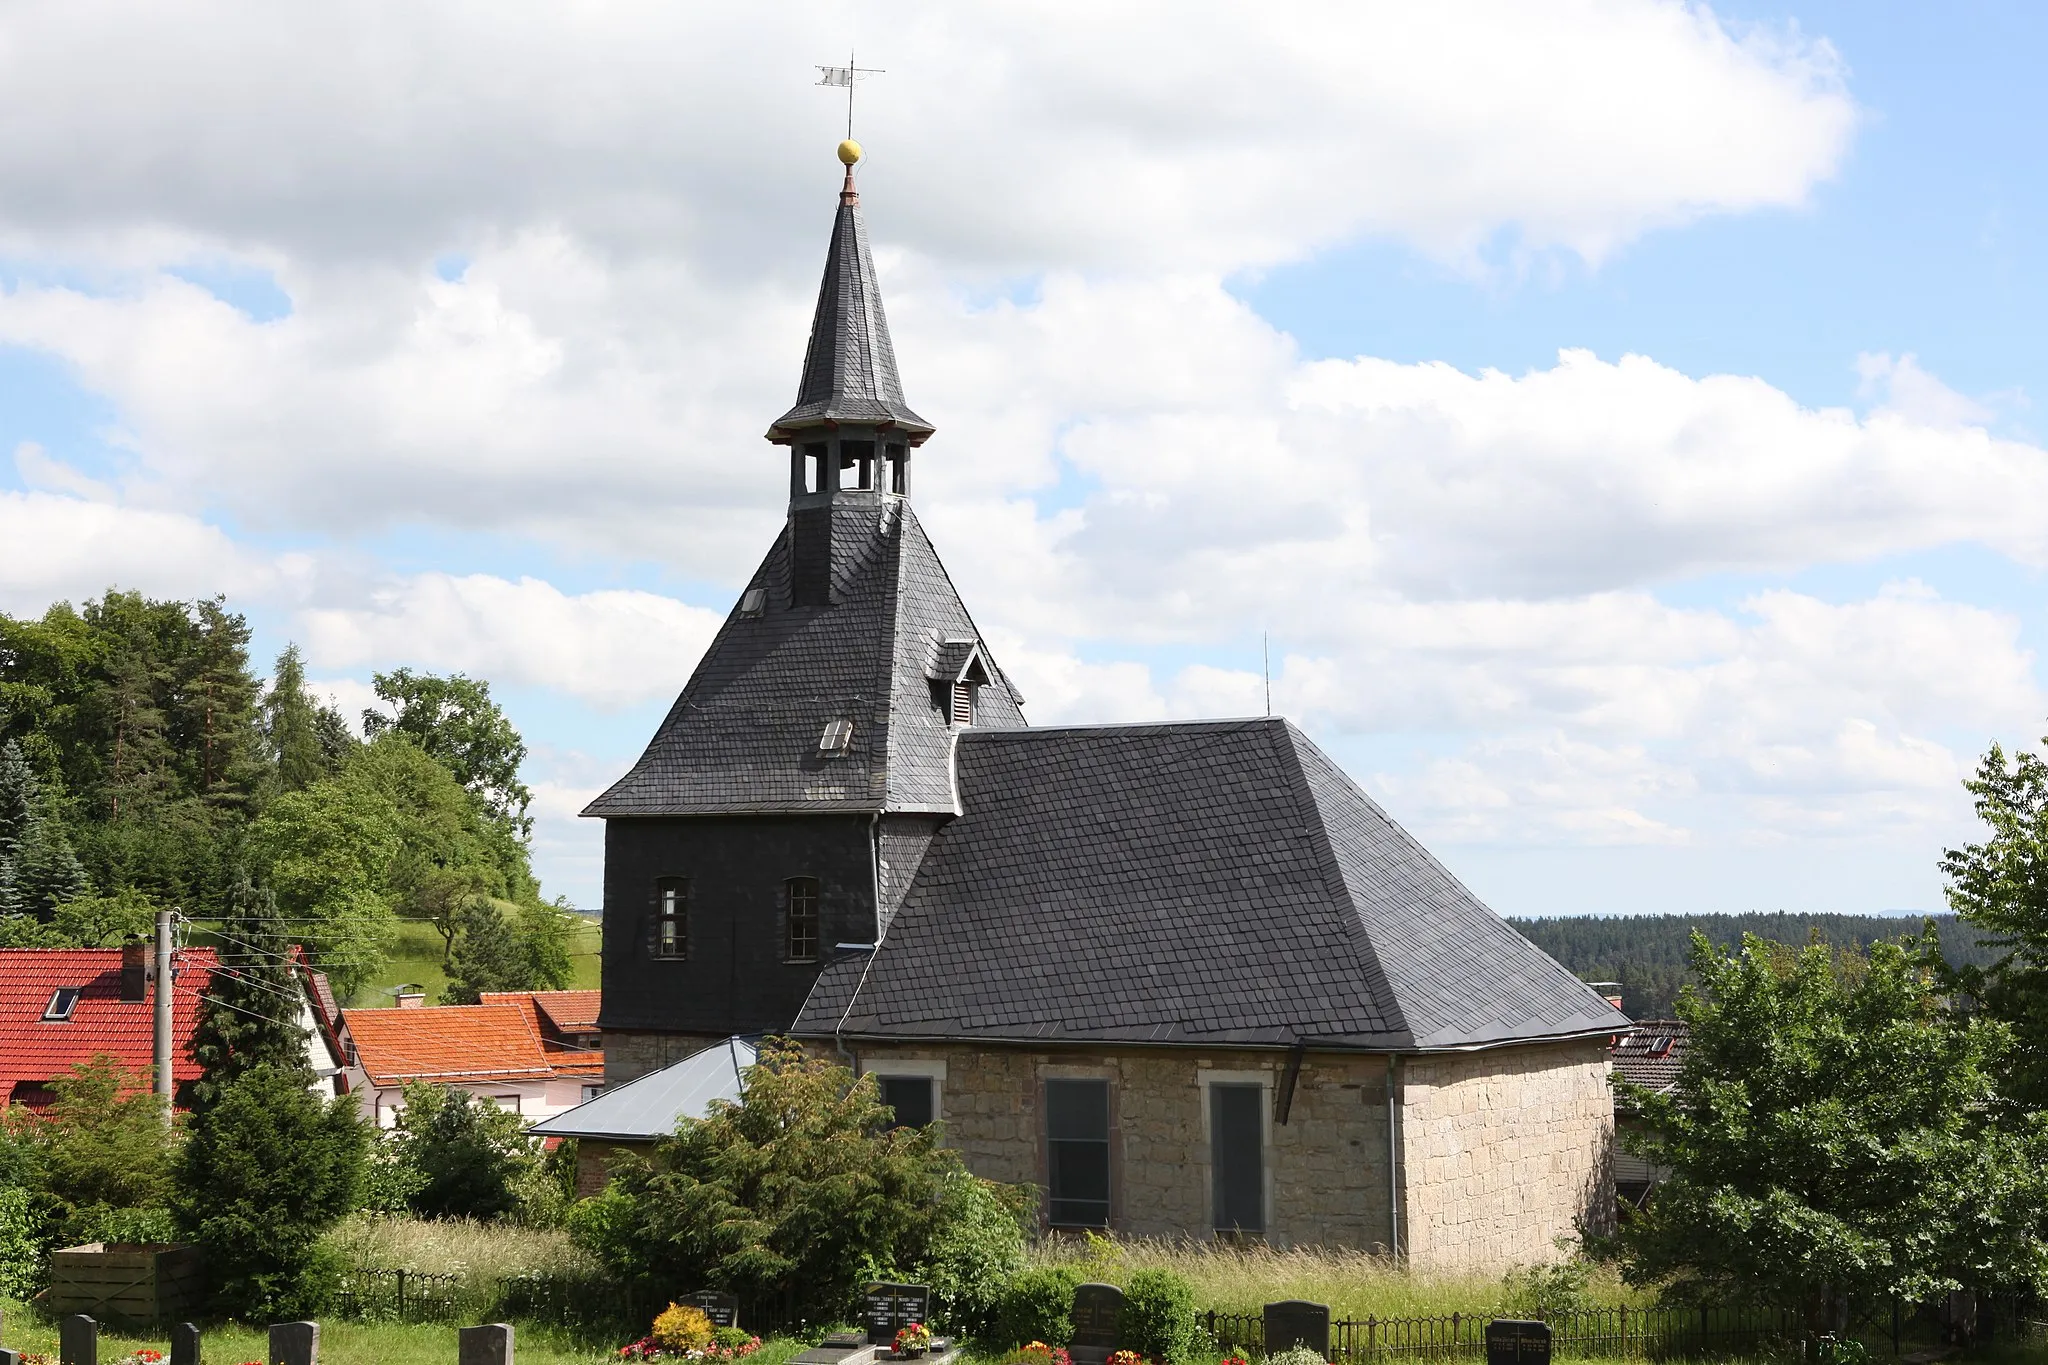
1647	953
144	763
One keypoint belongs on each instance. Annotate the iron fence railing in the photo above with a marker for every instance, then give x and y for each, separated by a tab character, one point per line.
1648	1333
405	1295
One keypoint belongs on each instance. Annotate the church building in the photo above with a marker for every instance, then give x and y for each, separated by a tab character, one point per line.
1186	978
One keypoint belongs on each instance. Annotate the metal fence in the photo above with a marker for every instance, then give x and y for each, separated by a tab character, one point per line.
593	1305
403	1295
1650	1333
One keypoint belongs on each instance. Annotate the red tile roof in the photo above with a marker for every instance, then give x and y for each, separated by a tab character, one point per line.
1651	1053
34	1050
458	1042
569	1013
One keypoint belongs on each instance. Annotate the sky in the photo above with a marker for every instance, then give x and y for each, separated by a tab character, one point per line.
1613	418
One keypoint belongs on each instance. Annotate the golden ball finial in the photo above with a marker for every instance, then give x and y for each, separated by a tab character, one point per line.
849	152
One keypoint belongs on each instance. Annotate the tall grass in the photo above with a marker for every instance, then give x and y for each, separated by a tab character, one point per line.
478	1252
1355	1284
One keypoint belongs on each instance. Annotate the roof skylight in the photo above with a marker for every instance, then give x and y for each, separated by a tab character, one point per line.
837	739
63	1001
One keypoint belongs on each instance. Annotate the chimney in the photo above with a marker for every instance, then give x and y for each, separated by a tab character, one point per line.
134	971
1609	990
411	1000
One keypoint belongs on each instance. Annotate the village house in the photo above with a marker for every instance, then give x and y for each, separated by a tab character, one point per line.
61	1007
1650	1055
1187	978
511	1051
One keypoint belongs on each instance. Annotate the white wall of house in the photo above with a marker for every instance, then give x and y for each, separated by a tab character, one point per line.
533	1099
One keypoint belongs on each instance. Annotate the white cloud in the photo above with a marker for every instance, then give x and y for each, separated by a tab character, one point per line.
1210	134
54	547
609	648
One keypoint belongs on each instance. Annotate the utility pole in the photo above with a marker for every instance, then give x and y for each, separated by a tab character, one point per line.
163	1007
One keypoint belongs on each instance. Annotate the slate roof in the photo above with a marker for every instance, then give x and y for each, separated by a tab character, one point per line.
34	1050
651	1106
1652	1053
458	1042
743	736
850	365
1206	883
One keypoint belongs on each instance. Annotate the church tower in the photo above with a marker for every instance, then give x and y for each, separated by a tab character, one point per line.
779	812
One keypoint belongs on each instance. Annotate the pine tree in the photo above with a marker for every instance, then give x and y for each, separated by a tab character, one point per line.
291	725
214	708
251	1015
17	806
488	955
47	872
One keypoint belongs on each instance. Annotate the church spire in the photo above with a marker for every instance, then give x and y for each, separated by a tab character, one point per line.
850	367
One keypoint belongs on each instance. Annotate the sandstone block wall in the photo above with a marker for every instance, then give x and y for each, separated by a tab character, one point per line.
1505	1150
1326	1166
629	1056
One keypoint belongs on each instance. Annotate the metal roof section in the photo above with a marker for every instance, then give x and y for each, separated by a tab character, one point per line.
651	1106
1212	883
850	364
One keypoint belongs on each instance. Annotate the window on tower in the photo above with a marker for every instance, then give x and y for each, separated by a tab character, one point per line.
899	470
815	454
802	895
671	918
963	703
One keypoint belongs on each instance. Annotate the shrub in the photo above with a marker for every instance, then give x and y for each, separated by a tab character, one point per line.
22	1267
976	1245
682	1327
1038	1306
731	1338
264	1173
470	1158
1158	1319
1038	1353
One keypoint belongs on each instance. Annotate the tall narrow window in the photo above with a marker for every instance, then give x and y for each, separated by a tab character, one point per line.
814	467
1237	1157
911	1098
963	703
803	918
1077	1153
899	471
672	917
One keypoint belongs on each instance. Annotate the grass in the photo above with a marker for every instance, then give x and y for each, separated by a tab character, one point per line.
416	959
459	1246
1355	1284
348	1343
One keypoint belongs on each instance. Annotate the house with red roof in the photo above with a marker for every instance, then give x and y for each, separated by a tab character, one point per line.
563	1018
61	1007
504	1050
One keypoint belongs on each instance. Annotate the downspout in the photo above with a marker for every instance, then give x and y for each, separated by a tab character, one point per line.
1393	1155
875	872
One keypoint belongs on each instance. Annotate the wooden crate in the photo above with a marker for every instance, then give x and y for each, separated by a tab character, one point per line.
145	1282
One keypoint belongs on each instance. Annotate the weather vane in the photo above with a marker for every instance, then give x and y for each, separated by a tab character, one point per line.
847	76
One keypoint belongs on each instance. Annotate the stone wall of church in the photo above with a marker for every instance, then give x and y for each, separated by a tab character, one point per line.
630	1055
1506	1151
1326	1167
1503	1150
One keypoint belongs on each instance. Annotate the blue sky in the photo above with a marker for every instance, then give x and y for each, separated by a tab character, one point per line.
1609	637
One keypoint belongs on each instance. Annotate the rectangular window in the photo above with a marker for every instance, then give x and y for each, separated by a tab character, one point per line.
508	1103
1237	1157
62	1001
803	918
1077	1152
899	471
671	918
963	703
814	467
911	1098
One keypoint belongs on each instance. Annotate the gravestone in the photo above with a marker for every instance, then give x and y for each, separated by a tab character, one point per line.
722	1308
490	1344
884	1308
294	1343
1297	1322
185	1344
78	1341
8	1357
1096	1310
1515	1341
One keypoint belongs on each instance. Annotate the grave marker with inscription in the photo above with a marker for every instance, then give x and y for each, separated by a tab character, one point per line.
1297	1322
185	1344
490	1344
722	1308
887	1308
1097	1308
1517	1341
294	1343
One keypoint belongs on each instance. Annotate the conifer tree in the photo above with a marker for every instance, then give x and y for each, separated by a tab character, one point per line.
251	1015
17	805
38	869
213	708
291	726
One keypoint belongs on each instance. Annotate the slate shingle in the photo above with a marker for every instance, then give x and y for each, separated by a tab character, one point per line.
1205	883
